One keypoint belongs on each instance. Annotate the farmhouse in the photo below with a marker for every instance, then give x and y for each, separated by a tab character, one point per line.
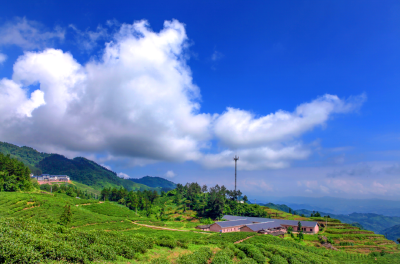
271	228
203	227
261	225
229	226
46	178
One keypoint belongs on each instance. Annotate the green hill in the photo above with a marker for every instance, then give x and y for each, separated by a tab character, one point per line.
29	156
79	169
392	233
155	182
374	222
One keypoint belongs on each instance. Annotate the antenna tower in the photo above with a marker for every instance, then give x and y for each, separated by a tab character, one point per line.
235	159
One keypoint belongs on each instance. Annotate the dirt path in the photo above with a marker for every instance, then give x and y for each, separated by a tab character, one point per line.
89	203
240	241
166	228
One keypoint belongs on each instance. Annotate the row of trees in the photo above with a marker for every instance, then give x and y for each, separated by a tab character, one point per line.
211	202
14	175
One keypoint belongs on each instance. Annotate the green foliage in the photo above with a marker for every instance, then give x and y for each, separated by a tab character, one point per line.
200	256
29	156
247	261
26	241
223	257
14	175
66	216
252	251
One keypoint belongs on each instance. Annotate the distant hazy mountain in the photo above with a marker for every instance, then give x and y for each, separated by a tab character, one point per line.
79	169
377	223
373	222
393	233
339	205
155	182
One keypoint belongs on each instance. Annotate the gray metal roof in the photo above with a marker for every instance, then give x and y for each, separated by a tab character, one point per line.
233	223
280	221
265	226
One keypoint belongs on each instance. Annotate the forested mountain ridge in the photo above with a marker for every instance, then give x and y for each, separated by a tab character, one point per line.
155	182
29	156
79	169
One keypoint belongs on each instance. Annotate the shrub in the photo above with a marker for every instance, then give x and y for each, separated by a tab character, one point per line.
277	259
200	256
247	261
252	252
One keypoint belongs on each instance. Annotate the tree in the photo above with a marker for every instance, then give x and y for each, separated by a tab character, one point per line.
245	199
398	240
66	216
290	229
299	226
300	235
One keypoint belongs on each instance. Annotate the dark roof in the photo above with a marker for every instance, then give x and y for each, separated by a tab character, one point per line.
203	226
265	226
233	223
280	221
277	233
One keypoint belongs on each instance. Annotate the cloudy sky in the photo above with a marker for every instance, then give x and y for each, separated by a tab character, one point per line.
306	93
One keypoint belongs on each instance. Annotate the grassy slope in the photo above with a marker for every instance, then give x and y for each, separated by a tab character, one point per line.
117	219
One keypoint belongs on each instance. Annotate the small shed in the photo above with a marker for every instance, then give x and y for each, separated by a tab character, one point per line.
203	227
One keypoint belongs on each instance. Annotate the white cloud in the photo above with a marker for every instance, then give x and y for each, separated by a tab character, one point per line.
28	34
3	58
257	158
138	101
216	55
138	104
170	174
123	175
87	40
239	128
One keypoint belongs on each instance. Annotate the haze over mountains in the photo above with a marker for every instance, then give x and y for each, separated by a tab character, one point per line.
336	205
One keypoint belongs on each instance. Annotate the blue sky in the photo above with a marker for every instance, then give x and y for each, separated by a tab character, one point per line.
305	92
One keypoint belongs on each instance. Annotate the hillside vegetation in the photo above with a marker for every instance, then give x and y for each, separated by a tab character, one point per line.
79	169
154	182
38	226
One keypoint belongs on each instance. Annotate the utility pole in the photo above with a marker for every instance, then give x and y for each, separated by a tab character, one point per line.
235	159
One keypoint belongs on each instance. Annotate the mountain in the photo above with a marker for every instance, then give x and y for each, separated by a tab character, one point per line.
79	169
337	205
373	222
156	182
280	207
392	233
29	156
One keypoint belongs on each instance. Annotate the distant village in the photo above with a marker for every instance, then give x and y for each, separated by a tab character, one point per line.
276	227
46	178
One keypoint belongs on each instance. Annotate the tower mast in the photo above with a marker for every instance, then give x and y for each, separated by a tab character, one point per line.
235	159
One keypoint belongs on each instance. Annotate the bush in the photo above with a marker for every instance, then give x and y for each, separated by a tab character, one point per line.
277	259
200	256
247	261
252	252
223	257
160	261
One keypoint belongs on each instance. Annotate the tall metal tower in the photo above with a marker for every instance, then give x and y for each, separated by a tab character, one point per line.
235	159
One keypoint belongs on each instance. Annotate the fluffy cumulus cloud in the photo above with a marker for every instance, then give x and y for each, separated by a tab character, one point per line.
138	103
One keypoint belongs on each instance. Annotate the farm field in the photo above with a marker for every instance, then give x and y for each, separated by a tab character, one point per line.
112	233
